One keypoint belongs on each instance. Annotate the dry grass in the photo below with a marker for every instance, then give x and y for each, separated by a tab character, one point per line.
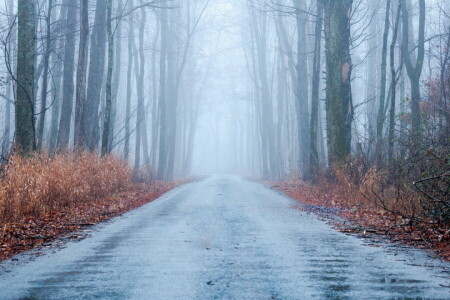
40	184
383	190
375	202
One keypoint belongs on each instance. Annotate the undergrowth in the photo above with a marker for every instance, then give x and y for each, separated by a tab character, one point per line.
39	184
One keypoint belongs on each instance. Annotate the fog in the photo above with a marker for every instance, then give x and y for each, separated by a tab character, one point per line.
262	88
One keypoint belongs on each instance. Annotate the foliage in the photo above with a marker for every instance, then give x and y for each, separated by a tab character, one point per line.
39	184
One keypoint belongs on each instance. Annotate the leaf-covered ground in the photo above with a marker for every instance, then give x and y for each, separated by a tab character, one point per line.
36	232
366	221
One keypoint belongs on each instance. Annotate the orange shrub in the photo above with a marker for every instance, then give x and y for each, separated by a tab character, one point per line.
41	183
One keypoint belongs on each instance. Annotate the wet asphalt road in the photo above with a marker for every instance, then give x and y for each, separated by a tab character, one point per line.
222	238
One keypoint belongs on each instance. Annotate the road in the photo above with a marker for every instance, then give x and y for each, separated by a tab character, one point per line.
221	238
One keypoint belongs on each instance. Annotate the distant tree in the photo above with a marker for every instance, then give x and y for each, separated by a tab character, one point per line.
381	106
302	93
96	74
46	65
314	155
79	134
58	40
129	79
109	75
68	74
414	69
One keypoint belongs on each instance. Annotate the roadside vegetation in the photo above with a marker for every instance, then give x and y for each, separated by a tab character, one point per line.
44	197
406	196
41	184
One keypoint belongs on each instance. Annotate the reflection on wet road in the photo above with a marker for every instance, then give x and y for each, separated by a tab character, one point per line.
222	238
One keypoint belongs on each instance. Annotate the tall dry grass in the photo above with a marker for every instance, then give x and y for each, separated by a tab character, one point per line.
40	184
392	189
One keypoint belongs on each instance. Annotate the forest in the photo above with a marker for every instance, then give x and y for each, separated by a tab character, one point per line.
347	100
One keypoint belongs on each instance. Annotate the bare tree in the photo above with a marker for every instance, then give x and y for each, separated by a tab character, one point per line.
68	74
338	82
25	130
80	135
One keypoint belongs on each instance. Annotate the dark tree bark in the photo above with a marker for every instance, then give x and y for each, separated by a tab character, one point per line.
339	106
109	74
68	74
393	87
80	135
381	106
95	77
414	71
25	131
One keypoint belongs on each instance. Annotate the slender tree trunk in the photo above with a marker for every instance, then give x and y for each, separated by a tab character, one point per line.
68	74
109	75
171	94
46	63
302	92
281	98
393	88
443	86
139	72
381	106
116	78
96	74
80	134
25	131
155	106
315	101
10	88
414	71
265	107
129	79
57	76
162	162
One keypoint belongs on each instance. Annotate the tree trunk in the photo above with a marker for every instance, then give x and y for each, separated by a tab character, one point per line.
129	80
414	71
80	134
96	73
302	92
315	101
25	131
57	77
162	162
155	107
393	88
116	78
10	89
46	62
139	72
381	105
69	70
109	74
338	83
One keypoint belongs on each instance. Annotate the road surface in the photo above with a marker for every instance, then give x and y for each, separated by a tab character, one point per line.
221	238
